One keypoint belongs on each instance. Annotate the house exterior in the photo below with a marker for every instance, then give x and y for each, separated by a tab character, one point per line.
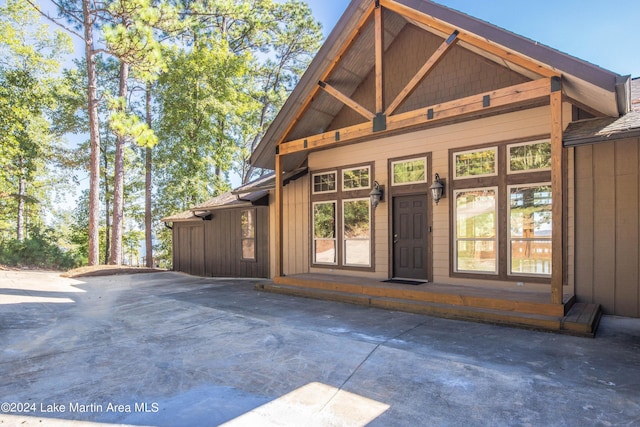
538	154
227	236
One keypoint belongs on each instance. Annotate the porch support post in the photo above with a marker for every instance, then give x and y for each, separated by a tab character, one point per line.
379	41
278	217
557	185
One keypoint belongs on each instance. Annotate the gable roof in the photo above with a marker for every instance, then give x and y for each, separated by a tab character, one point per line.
347	59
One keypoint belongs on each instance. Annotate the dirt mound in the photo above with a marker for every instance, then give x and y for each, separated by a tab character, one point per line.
108	270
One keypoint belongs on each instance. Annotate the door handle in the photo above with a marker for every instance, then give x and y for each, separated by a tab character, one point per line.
395	239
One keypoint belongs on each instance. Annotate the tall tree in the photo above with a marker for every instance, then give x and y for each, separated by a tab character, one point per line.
29	55
81	18
131	38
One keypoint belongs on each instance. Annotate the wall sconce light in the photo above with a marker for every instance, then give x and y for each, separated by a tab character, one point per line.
437	189
377	194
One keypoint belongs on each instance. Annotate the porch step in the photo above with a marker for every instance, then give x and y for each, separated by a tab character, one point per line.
583	319
577	322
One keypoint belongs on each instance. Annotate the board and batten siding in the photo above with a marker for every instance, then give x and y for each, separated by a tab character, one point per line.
214	248
188	247
296	226
437	141
223	245
607	182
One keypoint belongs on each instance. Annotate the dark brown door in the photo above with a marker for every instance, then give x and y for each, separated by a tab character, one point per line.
410	237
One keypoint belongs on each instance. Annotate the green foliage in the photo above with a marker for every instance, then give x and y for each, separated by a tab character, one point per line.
39	250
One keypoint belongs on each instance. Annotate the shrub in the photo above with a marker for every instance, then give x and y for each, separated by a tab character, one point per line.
40	250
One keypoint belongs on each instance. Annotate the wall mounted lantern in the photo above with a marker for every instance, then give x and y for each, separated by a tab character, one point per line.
377	194
437	189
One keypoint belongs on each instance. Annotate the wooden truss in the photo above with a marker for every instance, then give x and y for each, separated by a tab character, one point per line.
385	120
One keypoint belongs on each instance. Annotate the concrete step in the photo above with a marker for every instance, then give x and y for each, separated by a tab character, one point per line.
544	322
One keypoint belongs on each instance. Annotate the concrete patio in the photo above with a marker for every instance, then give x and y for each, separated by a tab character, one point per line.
168	349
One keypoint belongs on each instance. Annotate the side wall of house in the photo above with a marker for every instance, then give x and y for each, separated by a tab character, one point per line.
223	244
531	123
188	247
608	225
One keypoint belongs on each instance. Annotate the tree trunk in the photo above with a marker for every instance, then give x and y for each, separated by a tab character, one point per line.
148	232
21	196
94	166
118	181
107	208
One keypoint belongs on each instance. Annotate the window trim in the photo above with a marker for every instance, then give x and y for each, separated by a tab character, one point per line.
337	197
501	180
344	240
343	170
406	160
335	233
476	150
313	187
495	239
520	144
510	239
253	213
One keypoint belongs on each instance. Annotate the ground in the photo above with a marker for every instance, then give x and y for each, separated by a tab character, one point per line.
168	349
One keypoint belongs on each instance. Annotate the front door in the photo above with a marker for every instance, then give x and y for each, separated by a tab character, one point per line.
410	237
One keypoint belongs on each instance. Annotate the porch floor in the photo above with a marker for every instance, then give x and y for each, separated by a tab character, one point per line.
512	307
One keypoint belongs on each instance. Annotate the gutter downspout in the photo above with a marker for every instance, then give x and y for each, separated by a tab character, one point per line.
623	94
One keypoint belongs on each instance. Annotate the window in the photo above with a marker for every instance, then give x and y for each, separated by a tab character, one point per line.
502	218
248	234
530	229
342	220
356	220
476	230
475	163
324	183
529	157
412	171
356	178
324	233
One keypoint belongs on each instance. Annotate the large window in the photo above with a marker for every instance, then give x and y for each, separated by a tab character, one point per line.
324	233
530	229
476	230
502	214
356	221
341	217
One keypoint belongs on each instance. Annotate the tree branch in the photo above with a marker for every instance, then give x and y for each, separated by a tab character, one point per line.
46	15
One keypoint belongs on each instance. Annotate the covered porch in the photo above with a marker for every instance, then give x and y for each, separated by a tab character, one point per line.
511	307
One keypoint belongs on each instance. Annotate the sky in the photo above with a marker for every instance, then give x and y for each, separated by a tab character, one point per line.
602	32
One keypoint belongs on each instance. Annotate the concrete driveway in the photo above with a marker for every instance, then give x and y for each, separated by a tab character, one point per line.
167	349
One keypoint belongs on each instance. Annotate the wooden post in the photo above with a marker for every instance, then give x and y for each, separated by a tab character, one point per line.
278	217
557	185
379	51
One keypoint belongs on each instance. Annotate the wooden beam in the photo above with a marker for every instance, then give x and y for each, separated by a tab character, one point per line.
346	100
423	72
379	42
307	101
524	92
557	185
278	218
472	39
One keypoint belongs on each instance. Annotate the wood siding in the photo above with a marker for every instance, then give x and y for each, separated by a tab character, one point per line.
607	185
214	248
296	226
408	53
